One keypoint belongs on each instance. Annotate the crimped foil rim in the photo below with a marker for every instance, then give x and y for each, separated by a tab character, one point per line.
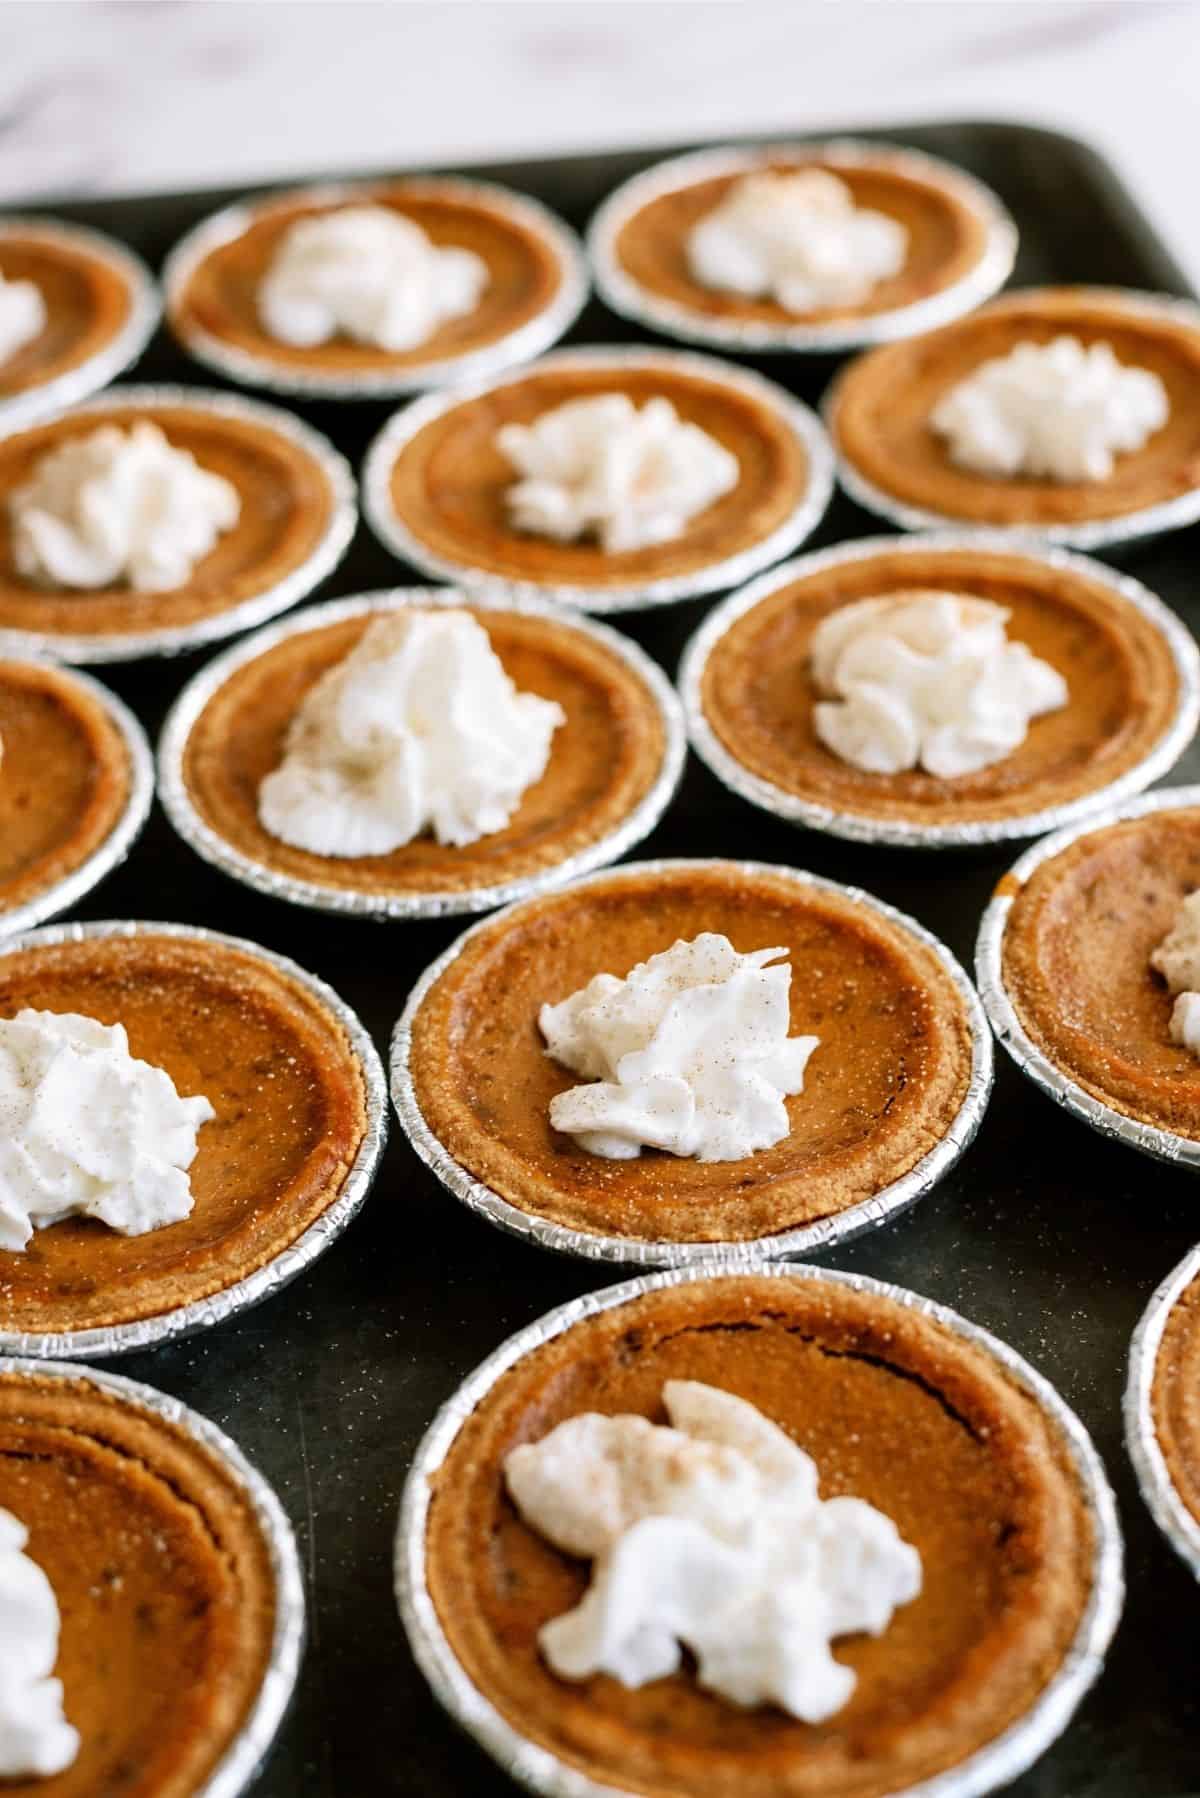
121	646
213	847
804	1239
264	1282
255	370
1158	1489
113	850
907	833
243	1758
145	309
625	295
632	595
1164	1145
1083	534
991	1766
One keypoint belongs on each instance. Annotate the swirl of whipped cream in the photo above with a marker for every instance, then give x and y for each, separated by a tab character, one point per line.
87	1130
419	728
35	1738
119	505
709	1534
798	239
1052	411
22	315
929	680
369	274
1177	959
600	467
689	1053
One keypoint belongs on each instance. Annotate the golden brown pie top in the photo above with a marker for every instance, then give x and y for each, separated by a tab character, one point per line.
947	237
882	406
894	1409
1076	965
758	693
1175	1396
220	296
65	778
88	302
449	482
287	504
163	1581
880	1092
603	760
287	1089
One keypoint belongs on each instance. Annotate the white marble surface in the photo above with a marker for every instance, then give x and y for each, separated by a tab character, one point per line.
115	97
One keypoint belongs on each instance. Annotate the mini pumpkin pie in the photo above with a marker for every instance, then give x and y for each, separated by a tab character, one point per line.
491	485
76	781
176	1580
523	282
894	460
605	765
893	1090
76	308
260	510
1162	1412
978	1464
753	696
948	244
282	1090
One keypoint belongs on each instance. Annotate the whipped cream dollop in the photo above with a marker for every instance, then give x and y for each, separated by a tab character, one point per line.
88	1130
22	315
367	273
1056	411
689	1053
929	680
419	728
1177	959
709	1535
798	239
35	1738
119	506
604	468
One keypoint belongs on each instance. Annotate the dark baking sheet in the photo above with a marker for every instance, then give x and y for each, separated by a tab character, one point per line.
1045	1233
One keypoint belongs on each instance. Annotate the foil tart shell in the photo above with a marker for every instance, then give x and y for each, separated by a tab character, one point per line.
1164	1145
297	584
537	1769
632	595
623	294
793	808
265	1281
199	834
109	854
1094	534
112	358
804	1239
239	1766
1158	1489
236	363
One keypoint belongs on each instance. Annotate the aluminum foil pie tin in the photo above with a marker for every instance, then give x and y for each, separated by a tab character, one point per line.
282	1269
109	854
908	833
1141	1438
625	294
805	1239
538	1770
123	646
194	829
242	1760
237	363
123	348
1095	534
1164	1145
634	594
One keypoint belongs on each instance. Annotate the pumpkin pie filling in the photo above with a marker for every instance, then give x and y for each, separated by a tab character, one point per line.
1175	1396
88	301
163	1580
895	1409
881	1091
288	1093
